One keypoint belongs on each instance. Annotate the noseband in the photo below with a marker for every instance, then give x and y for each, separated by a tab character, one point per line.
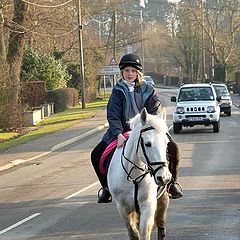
149	168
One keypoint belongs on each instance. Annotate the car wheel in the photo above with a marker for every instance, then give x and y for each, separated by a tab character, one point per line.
216	126
229	113
177	127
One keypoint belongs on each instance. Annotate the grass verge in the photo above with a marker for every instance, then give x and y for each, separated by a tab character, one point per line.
53	123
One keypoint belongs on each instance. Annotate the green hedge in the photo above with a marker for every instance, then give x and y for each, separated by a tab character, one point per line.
63	98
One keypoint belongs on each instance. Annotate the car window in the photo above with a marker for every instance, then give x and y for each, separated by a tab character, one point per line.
220	90
147	78
195	94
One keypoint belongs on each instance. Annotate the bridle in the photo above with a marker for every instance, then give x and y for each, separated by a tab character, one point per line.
149	169
145	171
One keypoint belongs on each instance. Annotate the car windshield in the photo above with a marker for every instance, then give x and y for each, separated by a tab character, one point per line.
148	78
195	94
220	90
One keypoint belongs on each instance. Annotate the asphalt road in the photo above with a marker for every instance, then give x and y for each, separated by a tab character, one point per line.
54	197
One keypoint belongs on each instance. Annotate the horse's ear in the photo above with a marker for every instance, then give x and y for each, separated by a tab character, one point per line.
144	116
163	114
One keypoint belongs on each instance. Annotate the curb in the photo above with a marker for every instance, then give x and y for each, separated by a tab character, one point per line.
54	148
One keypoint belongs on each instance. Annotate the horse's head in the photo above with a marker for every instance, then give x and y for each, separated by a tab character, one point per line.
152	144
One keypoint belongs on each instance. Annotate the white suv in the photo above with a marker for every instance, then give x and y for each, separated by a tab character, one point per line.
196	104
226	100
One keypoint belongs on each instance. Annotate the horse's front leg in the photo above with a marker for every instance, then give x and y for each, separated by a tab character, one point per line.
132	226
147	218
131	220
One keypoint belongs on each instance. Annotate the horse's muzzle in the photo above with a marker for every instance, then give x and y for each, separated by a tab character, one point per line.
163	180
160	180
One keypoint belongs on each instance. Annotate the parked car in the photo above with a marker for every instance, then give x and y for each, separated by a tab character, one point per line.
149	80
226	100
196	104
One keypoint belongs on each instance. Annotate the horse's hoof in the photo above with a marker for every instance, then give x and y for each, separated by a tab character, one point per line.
161	233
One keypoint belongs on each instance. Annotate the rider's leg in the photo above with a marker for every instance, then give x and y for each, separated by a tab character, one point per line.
95	159
175	189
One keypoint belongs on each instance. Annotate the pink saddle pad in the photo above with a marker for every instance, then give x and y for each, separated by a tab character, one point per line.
108	150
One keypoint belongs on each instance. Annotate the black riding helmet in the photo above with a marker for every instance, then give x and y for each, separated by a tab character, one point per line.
132	60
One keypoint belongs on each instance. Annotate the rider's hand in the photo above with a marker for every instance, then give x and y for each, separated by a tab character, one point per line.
121	140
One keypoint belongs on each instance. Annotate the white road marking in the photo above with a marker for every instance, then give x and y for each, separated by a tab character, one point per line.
19	223
80	191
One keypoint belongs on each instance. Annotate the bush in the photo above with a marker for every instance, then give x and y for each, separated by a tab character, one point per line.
63	98
40	66
33	93
12	117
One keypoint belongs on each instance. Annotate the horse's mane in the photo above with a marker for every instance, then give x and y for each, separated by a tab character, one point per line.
155	121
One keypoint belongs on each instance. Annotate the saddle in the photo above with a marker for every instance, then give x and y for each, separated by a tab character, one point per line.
107	155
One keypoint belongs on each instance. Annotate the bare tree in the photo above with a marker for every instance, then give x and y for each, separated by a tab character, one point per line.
221	28
16	44
159	46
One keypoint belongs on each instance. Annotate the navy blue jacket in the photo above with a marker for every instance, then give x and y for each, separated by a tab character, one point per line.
119	105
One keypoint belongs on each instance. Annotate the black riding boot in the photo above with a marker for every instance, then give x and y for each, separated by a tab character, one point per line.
175	189
105	196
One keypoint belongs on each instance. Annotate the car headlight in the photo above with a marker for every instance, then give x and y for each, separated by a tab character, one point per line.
179	110
210	109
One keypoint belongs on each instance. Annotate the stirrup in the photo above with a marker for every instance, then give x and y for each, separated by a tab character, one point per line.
179	188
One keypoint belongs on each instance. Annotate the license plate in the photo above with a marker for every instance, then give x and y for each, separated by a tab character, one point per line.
195	118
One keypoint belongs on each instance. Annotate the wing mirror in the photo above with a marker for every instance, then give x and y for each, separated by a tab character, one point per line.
219	98
173	99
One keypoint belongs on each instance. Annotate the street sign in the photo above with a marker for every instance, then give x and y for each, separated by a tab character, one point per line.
109	70
113	62
129	49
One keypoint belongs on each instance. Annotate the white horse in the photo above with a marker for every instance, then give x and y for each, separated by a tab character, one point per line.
137	171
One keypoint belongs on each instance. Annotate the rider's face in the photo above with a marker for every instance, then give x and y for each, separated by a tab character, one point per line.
130	74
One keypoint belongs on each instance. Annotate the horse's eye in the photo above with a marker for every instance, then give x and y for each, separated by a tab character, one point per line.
148	144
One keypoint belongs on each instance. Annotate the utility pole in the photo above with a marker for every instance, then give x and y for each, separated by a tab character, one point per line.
142	41
81	65
114	35
2	45
114	42
203	42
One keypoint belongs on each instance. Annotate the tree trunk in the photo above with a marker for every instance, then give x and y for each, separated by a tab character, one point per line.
16	44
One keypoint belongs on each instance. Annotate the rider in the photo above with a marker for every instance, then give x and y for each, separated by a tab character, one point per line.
129	96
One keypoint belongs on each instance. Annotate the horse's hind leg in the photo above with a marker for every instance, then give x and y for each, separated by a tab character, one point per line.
161	215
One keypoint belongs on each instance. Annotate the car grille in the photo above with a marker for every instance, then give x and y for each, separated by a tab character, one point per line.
195	109
191	116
